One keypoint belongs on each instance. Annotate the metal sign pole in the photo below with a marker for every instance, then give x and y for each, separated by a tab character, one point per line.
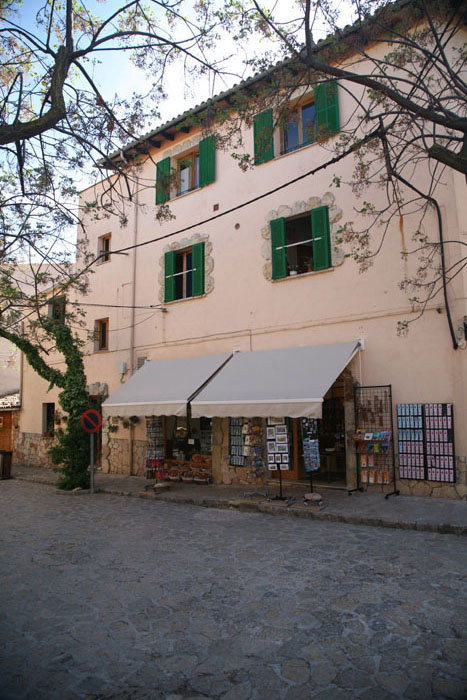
91	437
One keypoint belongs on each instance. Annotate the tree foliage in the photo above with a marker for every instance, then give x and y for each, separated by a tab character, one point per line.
58	118
403	65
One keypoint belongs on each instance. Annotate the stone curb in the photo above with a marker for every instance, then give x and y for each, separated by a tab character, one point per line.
269	509
312	513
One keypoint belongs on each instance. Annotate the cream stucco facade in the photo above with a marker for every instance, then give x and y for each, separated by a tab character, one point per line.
244	309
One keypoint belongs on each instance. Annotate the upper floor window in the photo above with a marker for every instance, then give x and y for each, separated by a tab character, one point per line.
314	119
193	170
56	309
102	334
188	173
104	248
299	130
301	243
184	273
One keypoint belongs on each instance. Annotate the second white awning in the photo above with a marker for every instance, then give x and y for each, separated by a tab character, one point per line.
287	382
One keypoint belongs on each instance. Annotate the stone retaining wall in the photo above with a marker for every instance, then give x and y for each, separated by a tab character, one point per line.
31	450
116	456
438	489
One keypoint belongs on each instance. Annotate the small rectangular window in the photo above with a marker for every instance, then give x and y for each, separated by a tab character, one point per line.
48	419
104	248
102	334
56	309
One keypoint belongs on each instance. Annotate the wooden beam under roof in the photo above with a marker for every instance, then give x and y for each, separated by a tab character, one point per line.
168	136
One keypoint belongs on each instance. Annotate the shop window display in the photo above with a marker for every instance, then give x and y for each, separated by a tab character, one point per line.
188	448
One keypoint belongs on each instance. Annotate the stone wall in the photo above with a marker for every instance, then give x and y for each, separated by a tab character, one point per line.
438	489
30	449
116	456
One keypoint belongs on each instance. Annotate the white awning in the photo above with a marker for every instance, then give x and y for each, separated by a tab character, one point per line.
163	387
287	382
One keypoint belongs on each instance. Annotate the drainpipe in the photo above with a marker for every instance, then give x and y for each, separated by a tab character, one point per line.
132	324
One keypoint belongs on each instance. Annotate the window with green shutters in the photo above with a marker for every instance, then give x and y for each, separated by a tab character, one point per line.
263	133
184	273
197	168
301	244
163	181
312	119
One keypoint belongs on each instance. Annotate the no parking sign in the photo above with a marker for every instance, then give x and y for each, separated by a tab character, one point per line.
91	420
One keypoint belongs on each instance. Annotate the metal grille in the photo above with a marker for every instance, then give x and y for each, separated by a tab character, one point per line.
374	436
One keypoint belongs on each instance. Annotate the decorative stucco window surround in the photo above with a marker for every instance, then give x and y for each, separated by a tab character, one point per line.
184	146
181	245
302	207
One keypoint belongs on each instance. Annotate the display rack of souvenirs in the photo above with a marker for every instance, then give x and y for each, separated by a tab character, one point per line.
426	441
246	438
372	449
311	456
278	444
374	436
155	448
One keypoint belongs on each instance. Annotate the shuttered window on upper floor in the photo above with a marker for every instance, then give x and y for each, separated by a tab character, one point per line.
191	170
184	273
315	118
301	244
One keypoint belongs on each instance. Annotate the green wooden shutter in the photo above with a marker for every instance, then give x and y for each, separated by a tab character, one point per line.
263	131
207	160
169	271
197	264
327	108
321	238
163	181
279	255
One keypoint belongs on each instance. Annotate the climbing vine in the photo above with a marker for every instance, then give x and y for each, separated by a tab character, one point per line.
71	450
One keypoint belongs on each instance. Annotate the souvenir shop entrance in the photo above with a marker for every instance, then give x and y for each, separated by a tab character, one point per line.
319	444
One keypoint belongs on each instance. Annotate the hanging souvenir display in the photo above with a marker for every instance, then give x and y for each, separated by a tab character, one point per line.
154	448
374	436
426	441
278	444
311	456
246	444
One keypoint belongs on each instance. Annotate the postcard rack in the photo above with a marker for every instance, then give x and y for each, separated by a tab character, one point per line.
374	437
154	447
426	441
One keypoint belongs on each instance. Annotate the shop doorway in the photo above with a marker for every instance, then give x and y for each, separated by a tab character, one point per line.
330	433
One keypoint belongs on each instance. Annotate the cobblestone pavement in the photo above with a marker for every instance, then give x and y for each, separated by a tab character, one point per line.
110	598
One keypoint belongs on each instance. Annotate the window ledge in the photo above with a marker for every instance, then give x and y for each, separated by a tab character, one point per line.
304	274
185	194
296	150
177	301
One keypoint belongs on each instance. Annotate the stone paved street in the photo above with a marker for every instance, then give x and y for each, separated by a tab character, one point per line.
104	597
